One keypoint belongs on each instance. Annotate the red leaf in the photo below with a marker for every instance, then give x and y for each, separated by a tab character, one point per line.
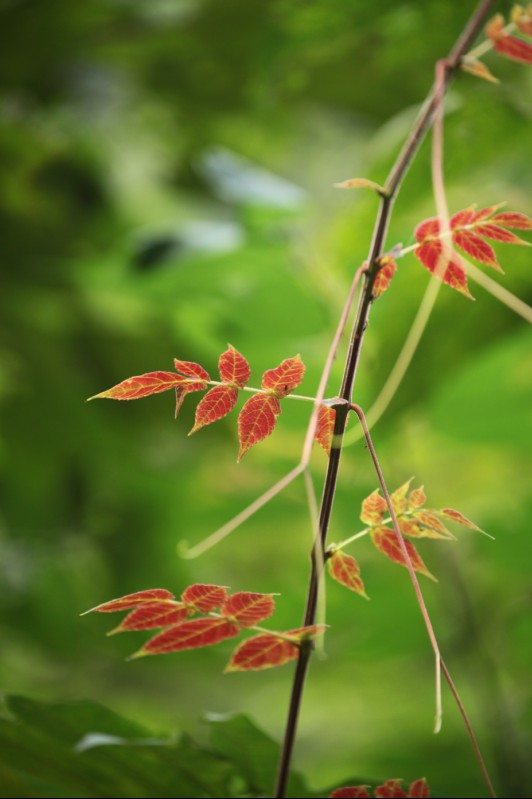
391	788
246	608
419	789
216	404
415	529
484	213
191	369
350	792
428	229
141	386
285	377
262	652
256	420
417	498
374	508
233	367
499	234
386	541
454	276
346	571
459	518
182	391
514	48
429	519
462	218
189	635
385	274
476	247
203	597
325	427
156	614
398	498
513	220
133	600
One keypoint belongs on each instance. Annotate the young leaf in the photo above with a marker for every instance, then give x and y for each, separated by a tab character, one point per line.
182	391
374	509
429	519
416	498
351	792
459	518
478	69
390	789
386	542
246	608
204	597
262	652
256	420
346	571
142	386
151	616
522	19
191	369
497	233
506	45
387	270
285	377
325	427
360	183
189	635
233	367
216	404
514	220
476	247
419	789
398	498
308	633
430	252
149	596
413	529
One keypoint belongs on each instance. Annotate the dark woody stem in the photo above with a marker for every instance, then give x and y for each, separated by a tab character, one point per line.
388	196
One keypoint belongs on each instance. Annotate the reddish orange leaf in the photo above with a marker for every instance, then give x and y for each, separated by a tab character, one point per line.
285	377
351	792
499	234
262	652
414	529
513	220
429	519
398	498
476	247
459	518
246	608
233	367
256	420
191	369
346	571
182	391
385	274
514	48
454	276
484	213
417	498
419	789
189	635
461	218
386	542
373	509
142	386
133	600
150	616
204	597
216	404
325	427
390	789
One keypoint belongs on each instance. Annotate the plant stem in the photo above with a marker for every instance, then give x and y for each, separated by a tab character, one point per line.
392	186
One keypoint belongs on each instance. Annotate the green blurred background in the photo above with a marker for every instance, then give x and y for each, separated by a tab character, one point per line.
167	170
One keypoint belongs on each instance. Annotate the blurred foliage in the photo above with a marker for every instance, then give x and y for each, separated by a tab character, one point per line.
167	171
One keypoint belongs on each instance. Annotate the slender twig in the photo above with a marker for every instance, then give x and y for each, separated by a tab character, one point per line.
391	188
